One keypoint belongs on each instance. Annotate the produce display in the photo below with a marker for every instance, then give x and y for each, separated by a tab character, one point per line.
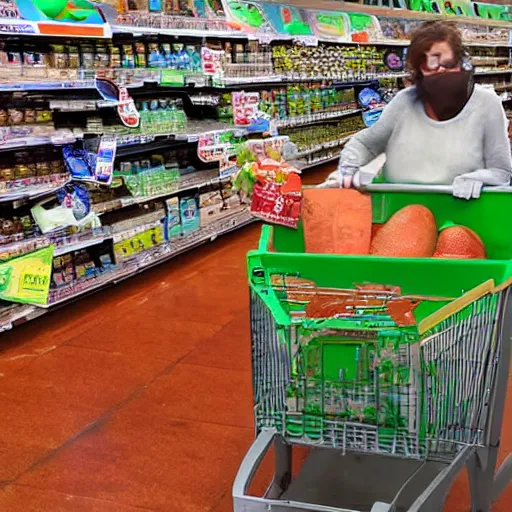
308	138
334	62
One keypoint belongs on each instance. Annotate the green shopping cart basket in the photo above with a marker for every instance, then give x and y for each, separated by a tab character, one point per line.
426	399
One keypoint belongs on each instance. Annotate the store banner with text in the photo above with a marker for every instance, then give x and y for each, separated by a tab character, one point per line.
27	279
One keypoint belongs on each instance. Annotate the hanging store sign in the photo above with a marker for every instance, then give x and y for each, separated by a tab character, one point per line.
330	25
245	107
126	108
76	18
266	20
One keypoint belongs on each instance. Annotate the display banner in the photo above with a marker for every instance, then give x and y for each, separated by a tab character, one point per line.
27	279
67	18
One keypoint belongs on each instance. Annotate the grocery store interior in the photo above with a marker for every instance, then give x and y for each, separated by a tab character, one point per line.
168	333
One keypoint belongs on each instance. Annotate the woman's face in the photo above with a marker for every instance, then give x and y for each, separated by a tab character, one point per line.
439	59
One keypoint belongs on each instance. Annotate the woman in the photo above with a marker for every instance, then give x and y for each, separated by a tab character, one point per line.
441	131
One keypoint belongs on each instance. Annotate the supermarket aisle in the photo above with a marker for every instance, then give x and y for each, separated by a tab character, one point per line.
138	399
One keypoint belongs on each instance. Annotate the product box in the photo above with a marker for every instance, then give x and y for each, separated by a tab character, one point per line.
85	268
173	219
232	200
138	243
63	270
211	207
189	213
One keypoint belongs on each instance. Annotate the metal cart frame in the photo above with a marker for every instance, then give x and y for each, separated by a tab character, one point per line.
423	485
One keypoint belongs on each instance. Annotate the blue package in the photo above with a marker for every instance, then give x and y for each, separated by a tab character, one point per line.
172	220
76	161
155	5
370	117
189	213
76	197
108	90
369	98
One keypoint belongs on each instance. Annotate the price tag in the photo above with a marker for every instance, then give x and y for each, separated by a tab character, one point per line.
307	40
211	60
197	81
264	38
172	78
227	164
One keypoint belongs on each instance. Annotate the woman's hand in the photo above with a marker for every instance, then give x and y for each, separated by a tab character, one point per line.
343	177
466	188
469	185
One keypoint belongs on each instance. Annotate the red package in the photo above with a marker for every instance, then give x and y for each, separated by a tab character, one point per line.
278	203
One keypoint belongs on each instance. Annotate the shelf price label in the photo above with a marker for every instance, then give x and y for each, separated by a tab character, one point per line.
227	165
212	61
307	40
172	78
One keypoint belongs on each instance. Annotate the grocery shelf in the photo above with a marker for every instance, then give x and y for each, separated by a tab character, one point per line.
255	82
493	72
274	37
29	142
17	313
76	102
252	82
47	86
293	122
81	106
20	313
153	257
191	181
320	161
33	191
88	241
321	147
132	144
179	32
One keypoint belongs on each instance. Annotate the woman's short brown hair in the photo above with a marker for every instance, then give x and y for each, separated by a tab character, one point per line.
424	37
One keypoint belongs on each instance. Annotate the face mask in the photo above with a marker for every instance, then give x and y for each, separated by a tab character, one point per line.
446	93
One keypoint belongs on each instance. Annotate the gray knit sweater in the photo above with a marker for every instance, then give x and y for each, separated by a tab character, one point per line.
418	149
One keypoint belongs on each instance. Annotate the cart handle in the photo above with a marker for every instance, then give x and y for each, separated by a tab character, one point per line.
433	189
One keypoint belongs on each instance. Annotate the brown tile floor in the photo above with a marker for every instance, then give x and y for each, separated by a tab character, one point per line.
139	398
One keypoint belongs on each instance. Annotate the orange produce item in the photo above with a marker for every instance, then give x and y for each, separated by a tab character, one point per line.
459	242
409	233
337	221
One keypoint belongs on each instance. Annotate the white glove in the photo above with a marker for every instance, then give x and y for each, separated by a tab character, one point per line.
351	175
466	188
343	177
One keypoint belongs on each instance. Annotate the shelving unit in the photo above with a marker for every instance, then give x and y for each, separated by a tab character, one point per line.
183	73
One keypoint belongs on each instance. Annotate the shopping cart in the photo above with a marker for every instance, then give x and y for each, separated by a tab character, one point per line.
407	404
